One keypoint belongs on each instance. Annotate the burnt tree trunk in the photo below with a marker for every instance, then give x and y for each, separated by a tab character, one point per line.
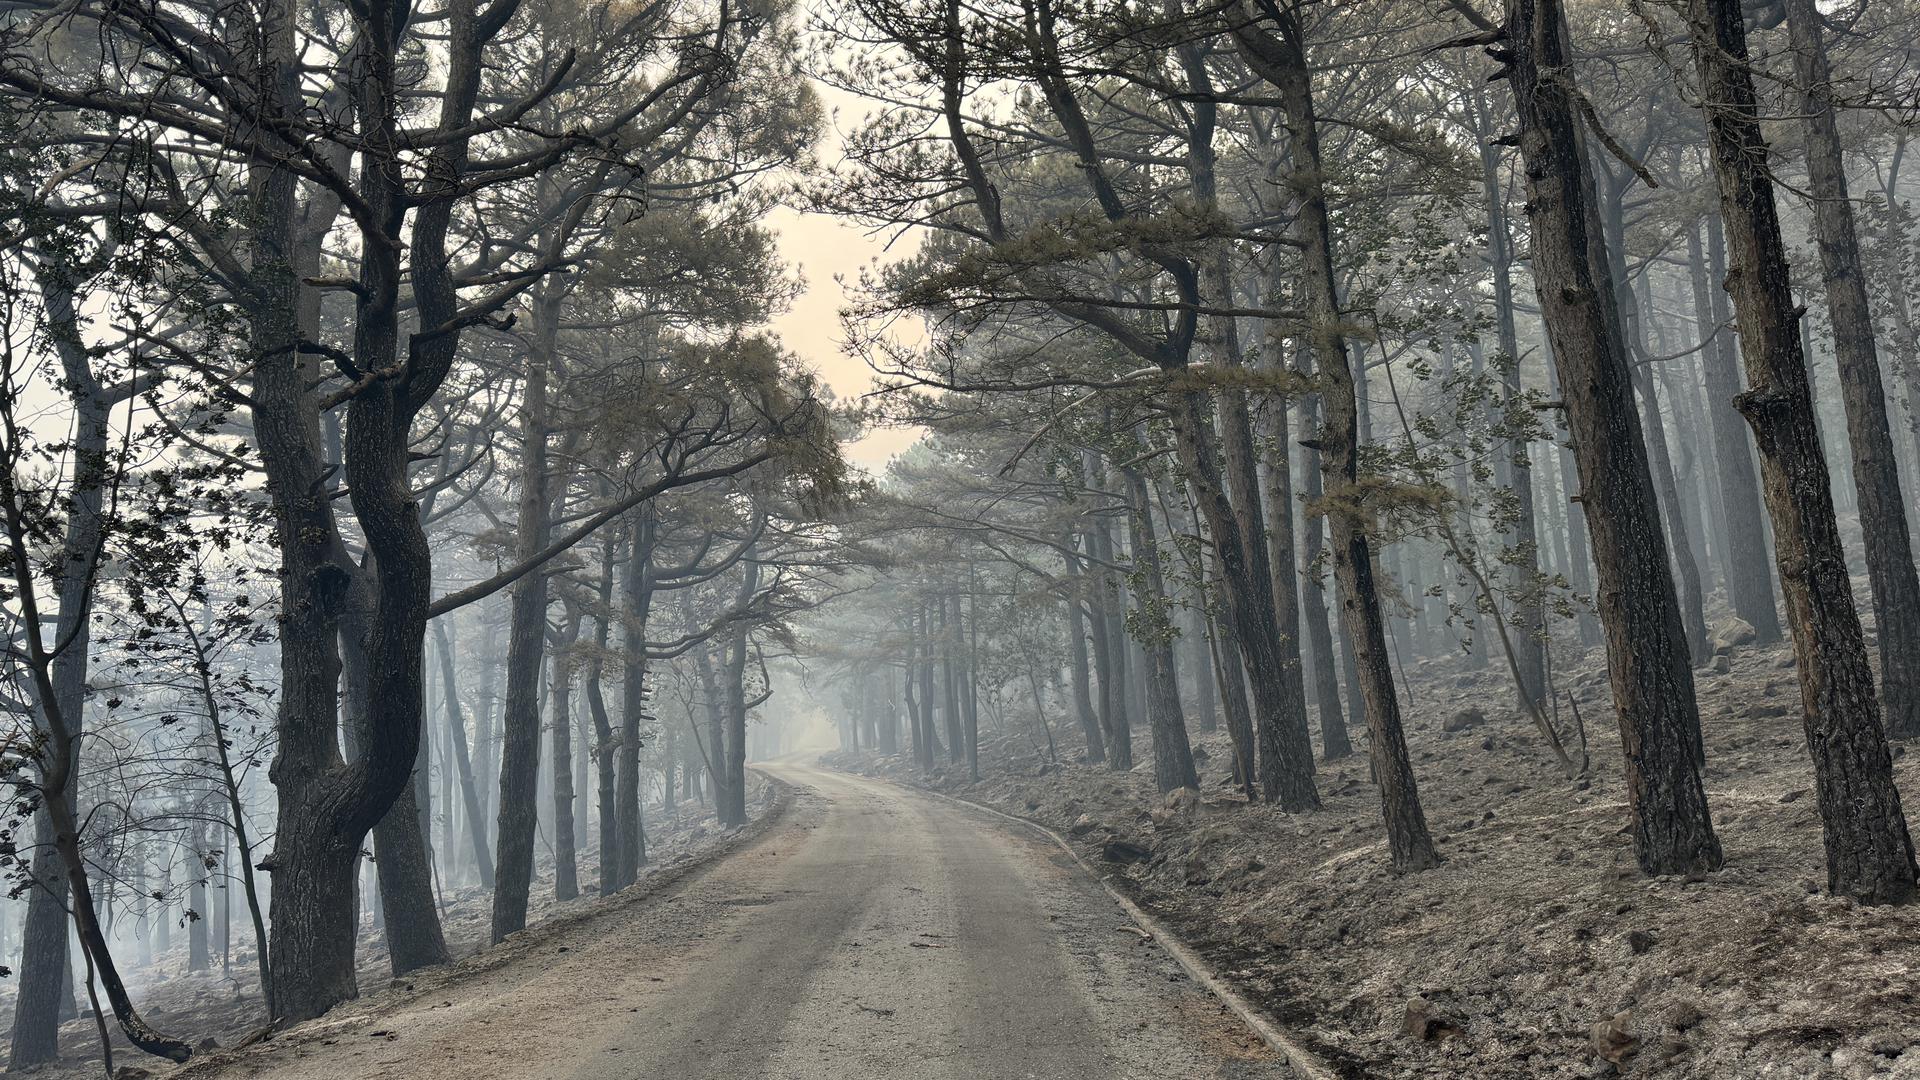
526	636
1876	471
1280	58
1646	642
1869	852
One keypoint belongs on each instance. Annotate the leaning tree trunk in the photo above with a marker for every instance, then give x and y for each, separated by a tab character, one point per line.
1646	641
1869	852
1281	59
1876	471
44	964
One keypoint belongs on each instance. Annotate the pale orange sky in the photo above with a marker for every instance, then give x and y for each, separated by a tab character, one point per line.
825	248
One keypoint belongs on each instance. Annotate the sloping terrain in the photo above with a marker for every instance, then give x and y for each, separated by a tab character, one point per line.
1539	927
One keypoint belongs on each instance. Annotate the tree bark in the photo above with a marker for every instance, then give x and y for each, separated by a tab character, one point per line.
606	788
1869	852
1646	642
1281	59
526	635
1876	472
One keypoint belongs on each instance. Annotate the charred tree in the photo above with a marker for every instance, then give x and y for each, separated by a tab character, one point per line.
1869	852
1647	657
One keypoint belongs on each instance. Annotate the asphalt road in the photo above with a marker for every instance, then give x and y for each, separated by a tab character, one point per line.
875	932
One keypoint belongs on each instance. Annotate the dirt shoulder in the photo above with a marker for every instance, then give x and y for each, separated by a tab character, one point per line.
1538	927
225	1007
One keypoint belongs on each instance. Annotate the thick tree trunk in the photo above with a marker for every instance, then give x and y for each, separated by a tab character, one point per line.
1876	473
1869	852
405	912
1646	642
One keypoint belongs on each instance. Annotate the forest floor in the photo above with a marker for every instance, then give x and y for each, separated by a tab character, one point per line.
1537	950
224	1003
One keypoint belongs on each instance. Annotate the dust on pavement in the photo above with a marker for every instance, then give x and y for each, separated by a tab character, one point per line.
874	932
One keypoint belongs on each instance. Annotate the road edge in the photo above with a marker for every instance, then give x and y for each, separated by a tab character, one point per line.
426	981
1299	1058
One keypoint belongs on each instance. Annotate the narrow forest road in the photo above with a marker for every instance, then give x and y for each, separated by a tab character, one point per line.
874	932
